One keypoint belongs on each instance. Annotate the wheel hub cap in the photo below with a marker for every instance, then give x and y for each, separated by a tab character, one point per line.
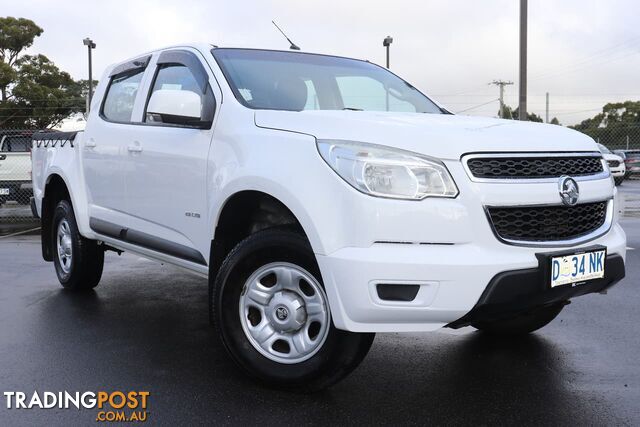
284	313
64	246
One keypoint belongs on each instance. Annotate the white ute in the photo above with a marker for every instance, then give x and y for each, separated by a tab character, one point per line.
15	166
326	199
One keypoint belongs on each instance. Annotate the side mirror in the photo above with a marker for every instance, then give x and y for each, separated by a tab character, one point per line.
179	107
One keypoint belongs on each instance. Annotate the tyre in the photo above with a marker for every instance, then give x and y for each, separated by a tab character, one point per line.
619	180
78	261
271	312
3	200
523	324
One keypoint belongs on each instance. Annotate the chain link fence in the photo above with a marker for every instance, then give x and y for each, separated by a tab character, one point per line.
617	138
15	180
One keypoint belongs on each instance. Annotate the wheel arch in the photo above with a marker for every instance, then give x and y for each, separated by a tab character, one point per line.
244	213
55	190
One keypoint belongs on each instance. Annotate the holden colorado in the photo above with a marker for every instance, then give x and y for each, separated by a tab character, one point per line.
326	199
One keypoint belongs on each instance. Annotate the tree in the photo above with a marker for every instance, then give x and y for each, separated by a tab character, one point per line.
509	113
42	94
618	124
16	34
34	91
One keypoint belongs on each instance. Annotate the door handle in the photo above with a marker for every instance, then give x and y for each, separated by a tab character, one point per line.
134	149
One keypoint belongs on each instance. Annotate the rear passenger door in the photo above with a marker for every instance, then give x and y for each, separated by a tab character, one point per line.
166	174
104	149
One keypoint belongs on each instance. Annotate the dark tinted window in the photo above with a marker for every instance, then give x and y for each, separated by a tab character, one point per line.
16	144
121	96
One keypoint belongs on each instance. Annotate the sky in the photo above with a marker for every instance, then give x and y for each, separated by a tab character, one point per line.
585	53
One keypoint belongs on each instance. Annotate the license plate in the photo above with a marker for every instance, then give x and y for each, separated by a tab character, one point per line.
577	268
4	191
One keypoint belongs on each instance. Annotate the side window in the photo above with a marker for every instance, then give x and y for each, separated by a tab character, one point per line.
175	77
365	93
121	96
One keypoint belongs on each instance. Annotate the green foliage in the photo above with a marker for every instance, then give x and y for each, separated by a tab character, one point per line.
510	113
16	34
34	92
617	122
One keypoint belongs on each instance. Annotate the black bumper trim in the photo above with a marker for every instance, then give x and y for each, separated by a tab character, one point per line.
513	292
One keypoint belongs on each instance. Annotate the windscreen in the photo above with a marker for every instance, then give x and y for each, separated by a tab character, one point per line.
295	81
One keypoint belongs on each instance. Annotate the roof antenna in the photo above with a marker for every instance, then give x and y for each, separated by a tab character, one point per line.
293	45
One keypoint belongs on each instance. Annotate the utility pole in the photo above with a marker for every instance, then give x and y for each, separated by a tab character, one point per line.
547	110
90	45
501	84
522	105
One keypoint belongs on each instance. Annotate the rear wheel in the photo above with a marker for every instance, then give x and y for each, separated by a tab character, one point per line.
523	324
272	313
78	261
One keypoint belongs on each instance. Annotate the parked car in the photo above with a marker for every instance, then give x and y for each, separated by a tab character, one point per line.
615	163
631	161
15	166
326	199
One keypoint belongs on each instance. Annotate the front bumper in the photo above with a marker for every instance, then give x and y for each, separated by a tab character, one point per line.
452	279
513	292
17	189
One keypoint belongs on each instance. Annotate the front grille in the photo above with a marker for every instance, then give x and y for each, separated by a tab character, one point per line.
533	167
613	163
547	223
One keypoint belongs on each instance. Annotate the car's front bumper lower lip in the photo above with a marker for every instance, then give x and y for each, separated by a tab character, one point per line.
513	292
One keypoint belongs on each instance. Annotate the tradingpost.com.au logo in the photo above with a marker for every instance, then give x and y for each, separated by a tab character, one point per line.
112	406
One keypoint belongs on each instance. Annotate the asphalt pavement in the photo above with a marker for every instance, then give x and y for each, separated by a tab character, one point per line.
146	328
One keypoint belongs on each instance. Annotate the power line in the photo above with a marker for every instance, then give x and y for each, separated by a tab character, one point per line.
597	57
477	106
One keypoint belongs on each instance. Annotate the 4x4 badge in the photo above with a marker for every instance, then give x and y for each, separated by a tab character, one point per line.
569	191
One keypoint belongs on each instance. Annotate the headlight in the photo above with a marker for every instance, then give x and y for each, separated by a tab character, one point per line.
388	172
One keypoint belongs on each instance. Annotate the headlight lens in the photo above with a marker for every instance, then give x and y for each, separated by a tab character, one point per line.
386	172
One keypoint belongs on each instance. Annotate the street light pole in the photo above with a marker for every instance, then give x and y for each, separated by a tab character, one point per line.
90	45
522	105
387	43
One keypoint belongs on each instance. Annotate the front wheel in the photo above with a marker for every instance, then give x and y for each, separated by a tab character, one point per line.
618	180
78	261
272	314
523	324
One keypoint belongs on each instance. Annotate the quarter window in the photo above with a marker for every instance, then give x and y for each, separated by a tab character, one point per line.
121	96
